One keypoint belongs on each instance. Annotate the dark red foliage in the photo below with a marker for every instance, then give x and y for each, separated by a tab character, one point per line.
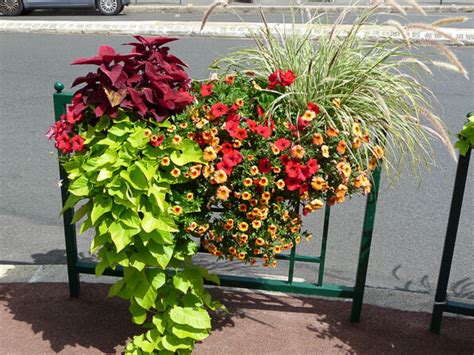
149	81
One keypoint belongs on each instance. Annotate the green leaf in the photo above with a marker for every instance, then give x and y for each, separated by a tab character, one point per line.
108	157
130	218
102	205
104	174
138	313
81	212
159	323
138	178
137	139
145	294
80	186
209	277
98	241
85	225
158	192
70	202
157	278
119	130
196	318
162	253
160	237
120	236
103	123
189	152
173	343
185	331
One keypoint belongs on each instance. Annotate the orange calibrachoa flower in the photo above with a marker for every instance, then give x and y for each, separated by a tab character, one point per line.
176	172
341	147
297	151
332	132
223	193
318	138
220	176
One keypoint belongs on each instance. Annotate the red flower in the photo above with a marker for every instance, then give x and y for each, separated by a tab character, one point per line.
232	158
264	131
252	125
260	111
227	148
77	143
280	78
293	169
206	90
302	124
284	159
292	184
264	165
156	141
282	144
313	107
219	109
226	166
313	166
63	143
239	133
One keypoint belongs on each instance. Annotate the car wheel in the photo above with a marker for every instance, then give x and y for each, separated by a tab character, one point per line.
109	7
11	7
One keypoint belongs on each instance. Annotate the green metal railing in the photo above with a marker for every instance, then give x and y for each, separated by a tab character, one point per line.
442	304
356	292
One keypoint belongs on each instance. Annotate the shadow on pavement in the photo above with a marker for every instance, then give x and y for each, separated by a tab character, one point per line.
41	318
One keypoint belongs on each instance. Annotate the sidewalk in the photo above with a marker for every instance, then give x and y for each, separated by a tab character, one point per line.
40	318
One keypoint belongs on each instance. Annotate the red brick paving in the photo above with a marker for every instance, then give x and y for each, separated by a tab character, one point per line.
40	318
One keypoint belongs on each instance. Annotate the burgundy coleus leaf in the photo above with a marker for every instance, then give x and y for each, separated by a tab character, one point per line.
114	73
89	79
149	95
137	100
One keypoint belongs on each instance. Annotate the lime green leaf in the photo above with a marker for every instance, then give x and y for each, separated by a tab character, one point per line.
85	225
137	139
70	202
119	130
81	212
108	157
196	318
159	323
185	331
157	278
101	205
145	295
138	313
80	186
137	178
162	253
120	236
158	194
103	123
209	277
104	174
130	218
160	237
98	241
189	152
172	343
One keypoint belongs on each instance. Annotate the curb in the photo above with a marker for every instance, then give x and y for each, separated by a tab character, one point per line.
328	9
218	30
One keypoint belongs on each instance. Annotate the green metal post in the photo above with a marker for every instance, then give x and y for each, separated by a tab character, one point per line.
60	101
322	263
364	252
291	268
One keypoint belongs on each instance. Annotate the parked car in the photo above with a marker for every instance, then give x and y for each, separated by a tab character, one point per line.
18	7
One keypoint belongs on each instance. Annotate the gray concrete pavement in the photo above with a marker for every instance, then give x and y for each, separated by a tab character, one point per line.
410	222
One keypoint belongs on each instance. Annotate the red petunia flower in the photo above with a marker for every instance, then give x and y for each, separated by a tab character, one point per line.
252	125
263	131
264	165
280	78
77	143
227	148
285	159
292	184
293	169
226	166
313	166
156	141
313	107
239	133
232	158
206	90
282	144
219	109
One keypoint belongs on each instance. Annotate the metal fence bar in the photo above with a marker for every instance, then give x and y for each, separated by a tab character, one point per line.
60	101
364	253
322	263
440	304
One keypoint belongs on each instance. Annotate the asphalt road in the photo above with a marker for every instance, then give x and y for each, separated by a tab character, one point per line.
411	218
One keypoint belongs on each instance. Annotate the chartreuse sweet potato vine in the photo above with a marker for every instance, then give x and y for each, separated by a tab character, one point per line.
135	201
466	136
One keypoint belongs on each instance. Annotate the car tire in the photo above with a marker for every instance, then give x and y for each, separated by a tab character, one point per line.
11	7
109	7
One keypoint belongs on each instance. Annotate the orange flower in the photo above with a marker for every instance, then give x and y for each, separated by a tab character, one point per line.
208	170
295	229
356	130
165	161
250	157
223	193
272	228
171	128
309	237
308	116
256	224
209	154
239	102
237	143
276	170
318	139
341	147
297	239
378	152
253	170
176	172
147	132
220	176
280	184
190	196
365	137
325	151
263	181
232	250
242	207
248	182
372	163
297	151
177	210
229	79
266	195
275	149
344	168
319	184
259	241
177	139
279	199
246	195
243	226
257	251
332	132
274	264
356	143
194	172
192	226
183	125
277	249
241	255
